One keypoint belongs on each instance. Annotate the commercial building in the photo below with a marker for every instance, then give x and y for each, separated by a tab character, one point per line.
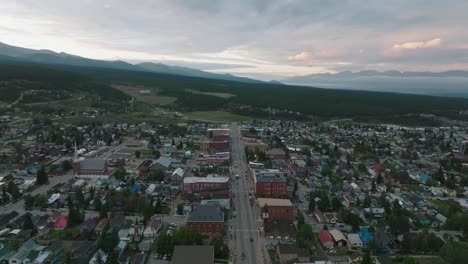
207	220
203	187
271	184
276	209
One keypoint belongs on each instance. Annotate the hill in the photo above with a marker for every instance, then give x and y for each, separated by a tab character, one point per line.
253	96
10	53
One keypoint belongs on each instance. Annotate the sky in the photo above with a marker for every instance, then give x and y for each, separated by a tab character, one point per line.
263	39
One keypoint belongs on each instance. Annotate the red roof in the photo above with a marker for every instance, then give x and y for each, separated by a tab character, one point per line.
61	222
325	237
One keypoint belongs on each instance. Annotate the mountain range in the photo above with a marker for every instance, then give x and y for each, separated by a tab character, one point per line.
10	53
448	83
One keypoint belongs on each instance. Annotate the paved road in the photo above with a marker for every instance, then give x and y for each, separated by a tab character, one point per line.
245	225
53	180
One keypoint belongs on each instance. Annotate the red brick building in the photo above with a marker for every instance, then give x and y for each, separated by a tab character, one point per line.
208	220
276	154
219	146
271	184
90	167
204	187
276	209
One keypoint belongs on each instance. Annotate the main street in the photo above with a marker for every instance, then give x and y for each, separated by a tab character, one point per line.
246	241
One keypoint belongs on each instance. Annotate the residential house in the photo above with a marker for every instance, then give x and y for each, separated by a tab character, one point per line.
88	226
338	238
7	219
152	227
98	257
291	254
23	252
319	216
101	226
355	240
326	239
61	223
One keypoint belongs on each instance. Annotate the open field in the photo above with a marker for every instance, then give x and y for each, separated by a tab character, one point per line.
151	96
218	116
220	95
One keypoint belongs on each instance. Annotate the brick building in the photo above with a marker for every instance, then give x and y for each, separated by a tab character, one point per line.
276	154
203	187
90	167
271	184
276	209
207	220
219	146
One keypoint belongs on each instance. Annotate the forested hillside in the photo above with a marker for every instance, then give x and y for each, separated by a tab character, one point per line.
307	100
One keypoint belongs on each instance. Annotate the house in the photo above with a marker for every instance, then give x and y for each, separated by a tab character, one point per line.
124	235
319	216
365	235
98	257
152	227
338	238
9	218
178	174
101	226
88	226
193	255
120	248
83	251
291	254
54	217
356	257
162	163
355	240
117	221
326	239
384	241
207	219
349	200
61	223
23	252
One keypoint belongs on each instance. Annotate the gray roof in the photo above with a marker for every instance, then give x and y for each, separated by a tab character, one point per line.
206	213
92	164
164	162
193	255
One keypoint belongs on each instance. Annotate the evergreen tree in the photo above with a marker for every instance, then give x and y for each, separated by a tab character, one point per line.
311	205
28	223
366	259
41	176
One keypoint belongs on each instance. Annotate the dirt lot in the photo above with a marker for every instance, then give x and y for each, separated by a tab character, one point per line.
145	94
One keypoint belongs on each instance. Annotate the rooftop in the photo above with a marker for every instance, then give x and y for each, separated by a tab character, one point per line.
206	213
92	164
273	202
218	179
193	255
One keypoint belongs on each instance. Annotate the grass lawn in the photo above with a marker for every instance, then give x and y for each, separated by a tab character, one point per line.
445	205
272	255
413	187
217	116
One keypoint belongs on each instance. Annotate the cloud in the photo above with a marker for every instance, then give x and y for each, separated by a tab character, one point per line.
302	56
274	36
419	44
